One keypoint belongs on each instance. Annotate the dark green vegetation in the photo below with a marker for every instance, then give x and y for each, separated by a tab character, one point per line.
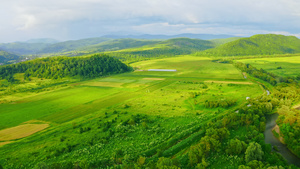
268	44
196	117
60	67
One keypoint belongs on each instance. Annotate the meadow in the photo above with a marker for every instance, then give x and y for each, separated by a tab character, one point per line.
281	66
140	113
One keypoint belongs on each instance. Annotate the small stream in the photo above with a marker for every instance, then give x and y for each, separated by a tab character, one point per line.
271	139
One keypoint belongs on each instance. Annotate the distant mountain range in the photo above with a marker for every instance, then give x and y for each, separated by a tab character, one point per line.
158	45
42	40
186	35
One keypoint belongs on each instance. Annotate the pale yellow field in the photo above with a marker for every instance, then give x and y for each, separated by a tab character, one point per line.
5	142
21	131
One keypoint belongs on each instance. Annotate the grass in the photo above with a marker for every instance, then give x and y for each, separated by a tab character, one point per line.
83	115
87	97
281	66
189	67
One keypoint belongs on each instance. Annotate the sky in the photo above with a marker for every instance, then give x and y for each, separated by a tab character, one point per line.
76	19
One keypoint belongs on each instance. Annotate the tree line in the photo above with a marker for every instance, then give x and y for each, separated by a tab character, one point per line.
60	67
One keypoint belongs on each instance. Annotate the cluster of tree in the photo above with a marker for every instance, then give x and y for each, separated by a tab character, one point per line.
285	93
261	74
214	103
59	67
289	123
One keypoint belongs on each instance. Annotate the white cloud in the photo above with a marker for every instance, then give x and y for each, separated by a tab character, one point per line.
26	18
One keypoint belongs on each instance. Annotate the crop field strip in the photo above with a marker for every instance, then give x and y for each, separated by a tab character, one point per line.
21	131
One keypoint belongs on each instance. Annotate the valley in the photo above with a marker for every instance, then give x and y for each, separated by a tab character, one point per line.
93	111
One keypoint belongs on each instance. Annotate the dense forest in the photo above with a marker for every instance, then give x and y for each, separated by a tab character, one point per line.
59	67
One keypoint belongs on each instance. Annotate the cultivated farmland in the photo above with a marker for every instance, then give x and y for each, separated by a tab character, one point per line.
141	112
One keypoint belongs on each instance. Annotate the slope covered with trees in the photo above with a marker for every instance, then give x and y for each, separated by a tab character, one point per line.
257	45
118	44
59	67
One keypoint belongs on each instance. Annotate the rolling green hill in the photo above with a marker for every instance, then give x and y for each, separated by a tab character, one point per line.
60	67
5	56
189	44
267	44
168	48
118	44
72	45
219	42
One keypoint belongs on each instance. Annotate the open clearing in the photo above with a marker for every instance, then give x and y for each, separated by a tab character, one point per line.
282	66
138	89
21	131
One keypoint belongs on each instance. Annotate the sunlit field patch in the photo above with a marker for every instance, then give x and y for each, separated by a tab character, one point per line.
21	131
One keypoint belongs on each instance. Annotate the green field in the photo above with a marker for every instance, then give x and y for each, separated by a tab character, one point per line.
148	111
281	66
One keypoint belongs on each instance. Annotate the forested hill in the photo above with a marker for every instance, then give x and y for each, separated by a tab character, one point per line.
5	56
59	67
266	44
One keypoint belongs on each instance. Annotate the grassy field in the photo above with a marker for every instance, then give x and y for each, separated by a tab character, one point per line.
135	112
282	66
79	99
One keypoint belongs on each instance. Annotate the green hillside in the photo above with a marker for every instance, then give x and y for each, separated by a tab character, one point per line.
257	45
72	45
5	56
60	67
118	44
219	42
168	48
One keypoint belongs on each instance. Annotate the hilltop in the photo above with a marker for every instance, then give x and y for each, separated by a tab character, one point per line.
266	44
